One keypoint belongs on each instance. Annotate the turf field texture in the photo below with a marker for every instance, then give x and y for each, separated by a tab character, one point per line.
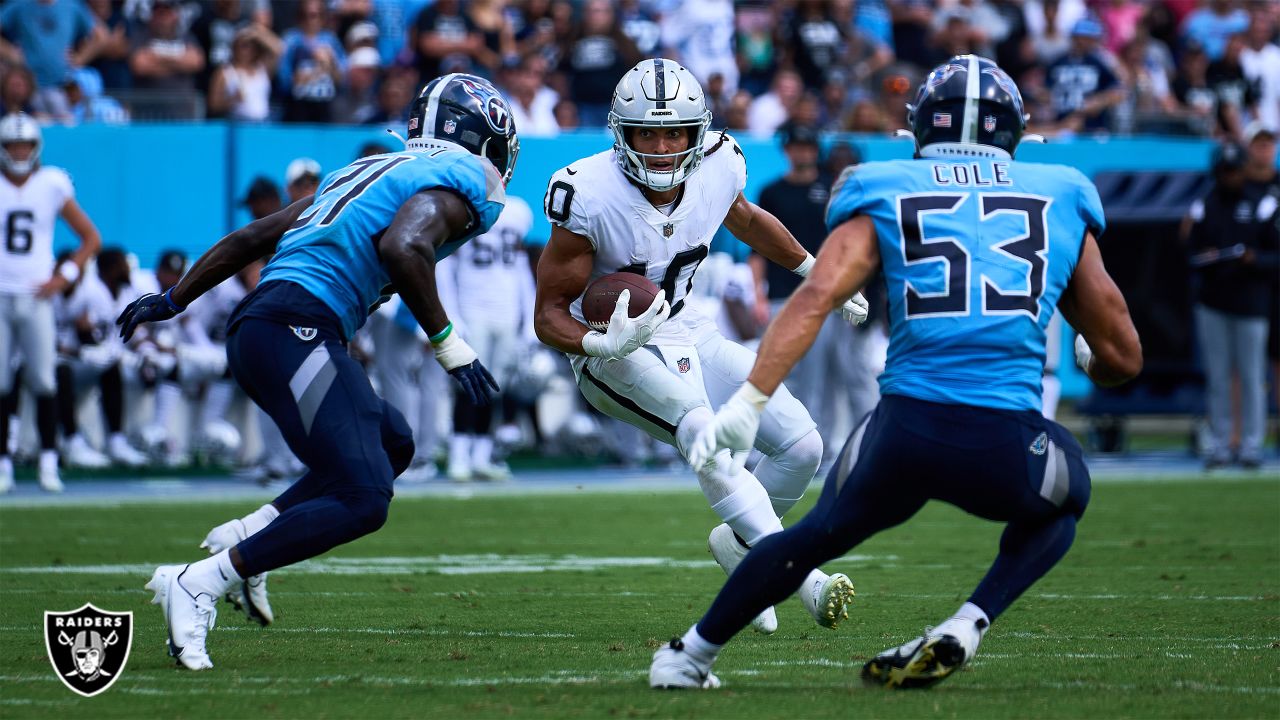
550	606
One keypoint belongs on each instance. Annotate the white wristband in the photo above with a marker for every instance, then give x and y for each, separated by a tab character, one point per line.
453	351
592	344
70	271
752	396
805	266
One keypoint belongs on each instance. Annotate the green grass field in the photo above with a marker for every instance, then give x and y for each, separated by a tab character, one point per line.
550	606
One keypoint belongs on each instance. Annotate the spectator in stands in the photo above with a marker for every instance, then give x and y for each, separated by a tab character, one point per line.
1198	100
641	25
1082	86
86	102
1120	19
1211	25
312	67
394	19
111	52
1049	23
498	40
535	30
566	112
1147	95
1261	61
262	198
897	84
813	42
700	35
912	28
955	35
532	102
216	30
756	53
595	56
166	60
394	97
362	34
1233	239
447	40
866	117
301	178
736	113
51	37
241	88
1237	95
17	91
346	14
769	111
1262	180
359	99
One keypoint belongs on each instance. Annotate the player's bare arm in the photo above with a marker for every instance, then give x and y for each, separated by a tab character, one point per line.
563	271
90	244
847	260
232	253
1095	307
764	233
408	250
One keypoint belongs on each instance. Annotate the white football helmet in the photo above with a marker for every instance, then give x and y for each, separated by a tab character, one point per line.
659	93
15	128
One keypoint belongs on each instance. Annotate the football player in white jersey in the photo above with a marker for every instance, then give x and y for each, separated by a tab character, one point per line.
488	287
32	198
651	205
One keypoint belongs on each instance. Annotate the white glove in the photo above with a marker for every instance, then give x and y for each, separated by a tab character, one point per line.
733	428
1084	354
626	334
453	351
855	310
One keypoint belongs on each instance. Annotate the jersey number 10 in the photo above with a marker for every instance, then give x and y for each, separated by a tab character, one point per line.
953	300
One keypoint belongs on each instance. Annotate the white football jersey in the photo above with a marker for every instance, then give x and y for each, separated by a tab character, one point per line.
205	321
90	298
28	214
592	198
490	273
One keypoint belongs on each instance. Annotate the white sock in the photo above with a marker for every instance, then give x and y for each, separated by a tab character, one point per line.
969	611
748	510
460	450
213	576
815	576
168	396
117	439
481	451
258	519
216	402
49	459
700	650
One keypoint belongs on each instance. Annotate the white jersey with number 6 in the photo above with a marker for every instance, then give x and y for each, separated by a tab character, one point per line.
28	214
592	198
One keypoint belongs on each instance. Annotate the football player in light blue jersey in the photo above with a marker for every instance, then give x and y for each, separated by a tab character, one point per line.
376	226
977	251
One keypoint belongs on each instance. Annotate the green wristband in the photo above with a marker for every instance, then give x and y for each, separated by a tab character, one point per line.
440	336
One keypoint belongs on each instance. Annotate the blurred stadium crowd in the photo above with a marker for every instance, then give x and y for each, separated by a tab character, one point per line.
793	69
1195	67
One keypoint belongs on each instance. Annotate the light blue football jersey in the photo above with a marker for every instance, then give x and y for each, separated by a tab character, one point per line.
332	250
975	254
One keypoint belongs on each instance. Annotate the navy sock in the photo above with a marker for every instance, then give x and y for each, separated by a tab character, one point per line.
47	421
312	528
1027	552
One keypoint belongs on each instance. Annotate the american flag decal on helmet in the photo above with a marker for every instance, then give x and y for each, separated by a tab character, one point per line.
413	123
942	120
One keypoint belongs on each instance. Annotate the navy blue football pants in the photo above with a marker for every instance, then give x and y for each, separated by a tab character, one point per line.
1013	467
353	442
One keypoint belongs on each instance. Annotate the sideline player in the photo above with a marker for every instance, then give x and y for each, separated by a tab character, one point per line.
374	227
650	205
32	198
977	250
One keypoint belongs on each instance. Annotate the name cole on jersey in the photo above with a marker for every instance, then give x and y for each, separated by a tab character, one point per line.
28	214
593	198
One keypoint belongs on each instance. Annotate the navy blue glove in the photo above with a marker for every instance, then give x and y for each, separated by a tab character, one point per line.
476	382
152	307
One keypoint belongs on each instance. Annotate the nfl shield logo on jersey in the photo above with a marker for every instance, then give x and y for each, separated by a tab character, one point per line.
668	229
88	647
683	365
989	123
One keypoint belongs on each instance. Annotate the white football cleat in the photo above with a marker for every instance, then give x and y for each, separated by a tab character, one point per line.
50	480
6	475
250	597
728	552
492	471
80	453
120	451
189	618
927	659
672	668
827	598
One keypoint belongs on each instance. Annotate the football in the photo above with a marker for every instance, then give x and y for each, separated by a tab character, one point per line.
602	296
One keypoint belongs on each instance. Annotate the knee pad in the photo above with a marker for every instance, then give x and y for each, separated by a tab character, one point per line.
787	474
369	509
397	439
688	428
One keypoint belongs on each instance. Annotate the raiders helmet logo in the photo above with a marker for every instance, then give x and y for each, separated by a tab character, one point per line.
88	647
